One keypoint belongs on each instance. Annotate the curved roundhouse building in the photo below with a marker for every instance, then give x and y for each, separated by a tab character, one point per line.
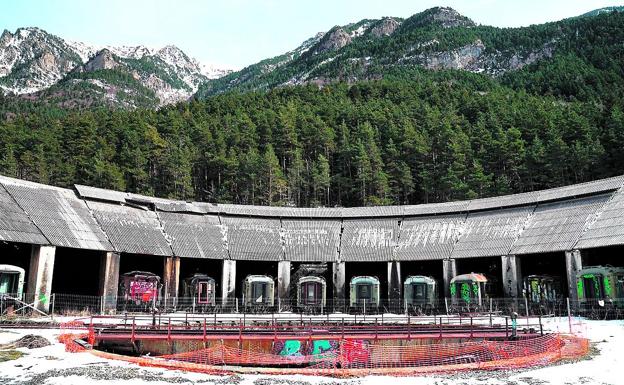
80	240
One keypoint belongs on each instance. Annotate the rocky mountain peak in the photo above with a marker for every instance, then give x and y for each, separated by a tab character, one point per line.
385	27
171	50
6	36
103	60
131	52
34	62
333	40
445	17
31	59
174	56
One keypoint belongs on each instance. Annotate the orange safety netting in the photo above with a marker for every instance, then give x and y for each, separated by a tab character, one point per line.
356	357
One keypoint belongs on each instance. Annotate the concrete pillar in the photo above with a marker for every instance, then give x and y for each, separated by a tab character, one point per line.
109	281
449	271
283	283
40	276
394	286
338	275
171	276
228	282
574	263
512	276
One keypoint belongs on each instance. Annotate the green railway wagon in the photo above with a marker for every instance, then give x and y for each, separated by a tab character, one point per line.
364	293
420	293
11	280
600	287
469	290
542	292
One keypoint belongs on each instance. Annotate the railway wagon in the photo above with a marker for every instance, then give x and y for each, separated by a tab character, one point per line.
258	292
420	293
469	291
139	290
11	280
311	293
542	292
364	293
601	288
201	288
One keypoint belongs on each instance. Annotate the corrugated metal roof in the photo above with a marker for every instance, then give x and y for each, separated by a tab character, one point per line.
372	211
311	212
436	208
426	238
311	240
94	193
557	226
63	219
100	194
369	239
131	230
46	214
490	233
180	207
15	226
195	236
504	201
576	190
208	208
277	211
607	229
253	238
246	210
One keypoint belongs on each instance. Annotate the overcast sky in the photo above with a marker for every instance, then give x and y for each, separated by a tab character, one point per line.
236	33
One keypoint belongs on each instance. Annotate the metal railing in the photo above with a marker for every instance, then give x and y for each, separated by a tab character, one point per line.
72	304
288	326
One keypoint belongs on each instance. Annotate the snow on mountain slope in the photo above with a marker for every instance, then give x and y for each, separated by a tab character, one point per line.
212	71
32	60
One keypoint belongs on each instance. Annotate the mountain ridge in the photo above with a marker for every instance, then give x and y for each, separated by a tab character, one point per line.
439	38
36	64
41	67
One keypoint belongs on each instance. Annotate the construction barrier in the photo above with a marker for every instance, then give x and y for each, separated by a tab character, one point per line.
346	358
